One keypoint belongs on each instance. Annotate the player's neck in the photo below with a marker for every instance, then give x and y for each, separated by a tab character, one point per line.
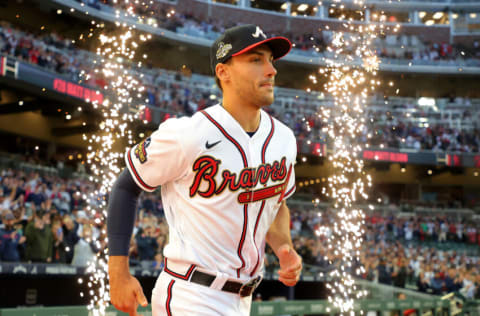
247	116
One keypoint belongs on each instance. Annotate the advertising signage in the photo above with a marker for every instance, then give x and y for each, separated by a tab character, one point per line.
10	67
385	156
462	160
419	158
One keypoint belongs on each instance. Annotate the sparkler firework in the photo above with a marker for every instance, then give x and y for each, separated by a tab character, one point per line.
351	69
115	63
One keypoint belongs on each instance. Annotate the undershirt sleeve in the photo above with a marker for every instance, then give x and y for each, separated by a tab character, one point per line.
122	206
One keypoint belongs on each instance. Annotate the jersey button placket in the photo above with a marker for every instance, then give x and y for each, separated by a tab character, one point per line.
253	162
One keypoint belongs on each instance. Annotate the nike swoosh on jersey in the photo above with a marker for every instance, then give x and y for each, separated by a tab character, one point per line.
211	145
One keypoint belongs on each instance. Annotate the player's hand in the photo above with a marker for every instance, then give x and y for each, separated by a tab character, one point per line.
290	265
125	291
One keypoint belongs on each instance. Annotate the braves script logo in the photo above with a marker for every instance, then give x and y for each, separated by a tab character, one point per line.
141	150
206	168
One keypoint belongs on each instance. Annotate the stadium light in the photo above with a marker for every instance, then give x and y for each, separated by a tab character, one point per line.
302	7
426	102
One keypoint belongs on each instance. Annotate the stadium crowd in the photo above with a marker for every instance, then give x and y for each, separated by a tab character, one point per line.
403	252
46	219
47	50
392	48
57	54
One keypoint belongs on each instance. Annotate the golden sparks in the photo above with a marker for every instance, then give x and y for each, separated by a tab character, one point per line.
116	66
352	66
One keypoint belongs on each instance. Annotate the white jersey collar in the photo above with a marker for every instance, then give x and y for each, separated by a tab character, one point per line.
234	127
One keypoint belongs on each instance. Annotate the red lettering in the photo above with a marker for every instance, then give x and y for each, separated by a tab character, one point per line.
206	168
260	172
246	178
77	91
59	85
228	179
385	156
275	171
477	161
87	94
456	160
268	172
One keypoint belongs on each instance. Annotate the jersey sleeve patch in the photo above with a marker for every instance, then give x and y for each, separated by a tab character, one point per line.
160	158
136	177
141	150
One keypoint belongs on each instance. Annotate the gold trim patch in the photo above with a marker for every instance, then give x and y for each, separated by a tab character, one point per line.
223	50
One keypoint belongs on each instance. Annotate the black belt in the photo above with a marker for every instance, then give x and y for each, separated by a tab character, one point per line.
242	289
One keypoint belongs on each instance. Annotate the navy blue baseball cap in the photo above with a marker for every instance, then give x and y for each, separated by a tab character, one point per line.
240	39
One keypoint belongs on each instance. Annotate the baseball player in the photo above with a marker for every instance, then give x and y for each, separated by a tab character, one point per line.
224	174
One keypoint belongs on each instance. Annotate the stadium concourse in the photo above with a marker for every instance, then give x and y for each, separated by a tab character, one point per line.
420	241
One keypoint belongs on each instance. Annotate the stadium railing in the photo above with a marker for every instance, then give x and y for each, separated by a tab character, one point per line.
300	308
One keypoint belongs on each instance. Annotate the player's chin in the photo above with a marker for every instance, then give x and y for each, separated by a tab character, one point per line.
266	99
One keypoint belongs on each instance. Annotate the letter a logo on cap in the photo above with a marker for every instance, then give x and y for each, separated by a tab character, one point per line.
257	33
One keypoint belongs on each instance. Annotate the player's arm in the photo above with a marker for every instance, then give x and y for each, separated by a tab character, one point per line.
125	290
280	240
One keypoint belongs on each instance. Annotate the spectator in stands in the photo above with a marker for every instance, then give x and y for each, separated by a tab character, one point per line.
10	239
70	235
146	244
159	262
399	274
436	283
64	200
384	272
452	281
81	219
39	239
85	249
477	286
468	287
37	197
59	252
422	283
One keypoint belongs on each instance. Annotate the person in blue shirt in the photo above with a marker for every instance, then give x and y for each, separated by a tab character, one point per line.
10	239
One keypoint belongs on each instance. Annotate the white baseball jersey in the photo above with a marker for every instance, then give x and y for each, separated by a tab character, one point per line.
221	189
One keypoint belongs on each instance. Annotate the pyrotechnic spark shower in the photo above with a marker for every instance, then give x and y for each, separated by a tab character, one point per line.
123	105
351	70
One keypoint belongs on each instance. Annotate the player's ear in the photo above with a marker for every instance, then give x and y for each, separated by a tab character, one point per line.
222	72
